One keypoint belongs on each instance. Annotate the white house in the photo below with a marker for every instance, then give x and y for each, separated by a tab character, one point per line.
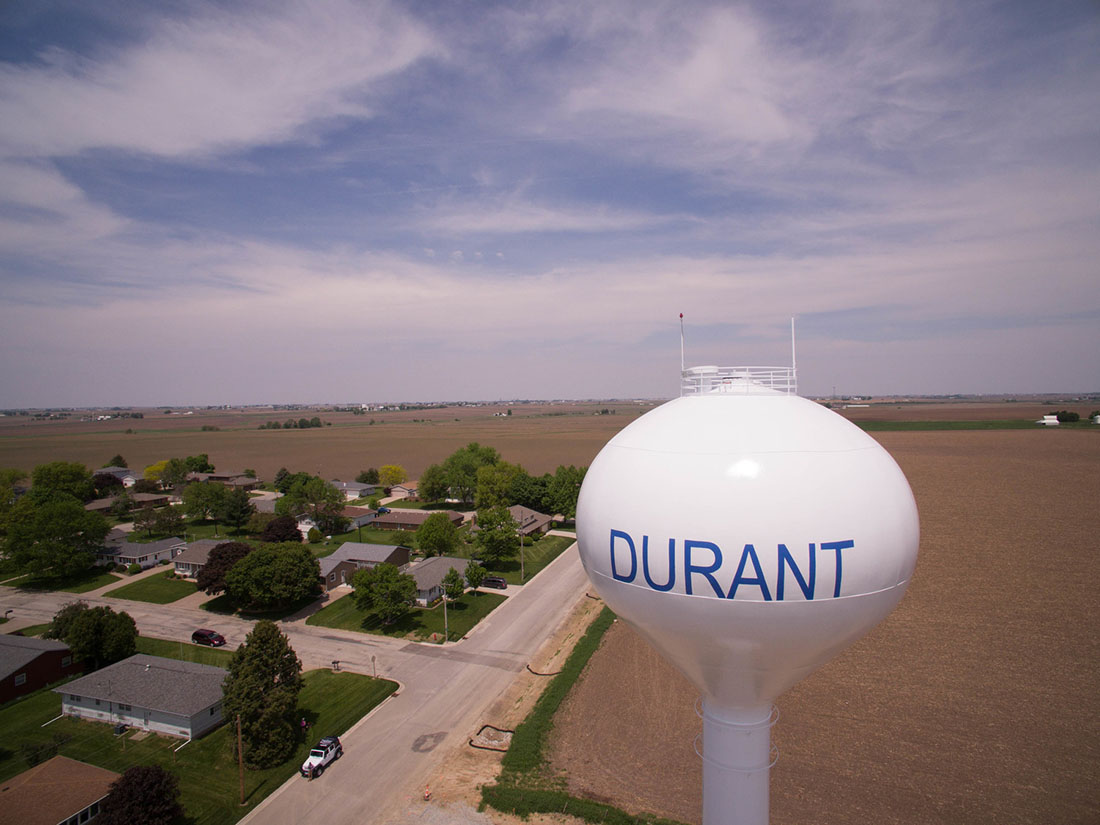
1048	421
353	489
429	575
194	557
146	554
161	695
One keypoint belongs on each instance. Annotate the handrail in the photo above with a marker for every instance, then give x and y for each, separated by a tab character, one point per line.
711	380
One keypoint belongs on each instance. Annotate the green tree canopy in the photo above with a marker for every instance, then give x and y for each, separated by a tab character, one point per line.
273	576
106	483
204	499
174	473
433	483
530	491
63	619
368	476
199	463
475	574
316	498
155	470
454	585
237	508
9	478
116	461
56	538
391	474
497	538
437	535
99	636
384	589
61	479
265	678
219	562
563	490
494	484
144	795
461	468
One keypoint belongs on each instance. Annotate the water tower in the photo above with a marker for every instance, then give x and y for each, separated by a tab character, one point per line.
749	535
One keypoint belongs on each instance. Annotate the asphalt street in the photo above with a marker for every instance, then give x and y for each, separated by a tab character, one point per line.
445	689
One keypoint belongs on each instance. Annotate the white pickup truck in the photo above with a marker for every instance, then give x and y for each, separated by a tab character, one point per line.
322	754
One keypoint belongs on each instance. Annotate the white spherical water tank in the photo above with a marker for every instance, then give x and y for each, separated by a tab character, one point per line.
750	535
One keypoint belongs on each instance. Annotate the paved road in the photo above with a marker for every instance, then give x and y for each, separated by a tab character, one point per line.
444	692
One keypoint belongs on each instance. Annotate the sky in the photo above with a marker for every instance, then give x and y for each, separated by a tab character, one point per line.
340	201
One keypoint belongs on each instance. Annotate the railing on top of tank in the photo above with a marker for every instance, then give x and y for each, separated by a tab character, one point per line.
746	380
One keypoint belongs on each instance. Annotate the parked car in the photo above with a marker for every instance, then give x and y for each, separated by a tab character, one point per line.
383	510
321	755
202	636
494	581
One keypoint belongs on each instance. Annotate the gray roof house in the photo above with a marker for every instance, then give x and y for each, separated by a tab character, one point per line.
193	558
529	521
354	489
161	695
429	575
340	566
146	554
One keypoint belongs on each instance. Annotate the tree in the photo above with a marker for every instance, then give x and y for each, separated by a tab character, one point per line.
384	589
144	795
100	636
273	576
168	521
497	538
57	538
437	535
368	476
530	491
63	619
204	499
219	562
145	485
199	463
433	483
9	478
280	477
105	483
265	678
154	471
461	468
391	474
453	584
146	519
494	484
563	489
175	473
122	505
61	479
237	508
282	528
475	574
317	499
1067	416
116	461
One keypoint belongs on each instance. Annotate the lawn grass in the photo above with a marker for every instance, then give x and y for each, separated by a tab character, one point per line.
162	589
535	557
224	606
203	655
32	629
207	771
462	615
367	535
91	579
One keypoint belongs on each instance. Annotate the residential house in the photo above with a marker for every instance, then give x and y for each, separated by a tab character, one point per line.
101	505
59	791
531	522
127	476
408	490
151	693
429	575
354	489
1048	421
194	557
398	519
146	554
340	566
231	479
27	664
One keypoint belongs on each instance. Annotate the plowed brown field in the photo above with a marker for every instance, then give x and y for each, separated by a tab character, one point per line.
976	701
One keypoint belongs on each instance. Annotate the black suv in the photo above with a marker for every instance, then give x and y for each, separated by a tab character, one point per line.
207	637
495	581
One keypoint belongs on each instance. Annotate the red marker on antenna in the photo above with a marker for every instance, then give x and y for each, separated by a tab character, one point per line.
681	344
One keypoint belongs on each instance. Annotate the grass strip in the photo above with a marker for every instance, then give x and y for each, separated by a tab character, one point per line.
523	802
462	615
157	589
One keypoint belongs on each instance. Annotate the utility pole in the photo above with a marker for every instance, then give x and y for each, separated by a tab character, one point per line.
240	758
446	628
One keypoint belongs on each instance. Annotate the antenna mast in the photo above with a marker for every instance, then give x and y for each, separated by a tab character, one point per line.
794	360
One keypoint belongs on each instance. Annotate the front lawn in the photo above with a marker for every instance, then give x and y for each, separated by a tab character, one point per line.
225	606
207	771
462	615
203	655
33	629
162	589
91	579
535	557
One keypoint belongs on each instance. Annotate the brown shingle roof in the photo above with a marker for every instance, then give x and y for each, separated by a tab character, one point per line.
53	791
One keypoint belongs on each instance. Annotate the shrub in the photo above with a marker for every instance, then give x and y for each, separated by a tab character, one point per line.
133	568
1067	417
315	535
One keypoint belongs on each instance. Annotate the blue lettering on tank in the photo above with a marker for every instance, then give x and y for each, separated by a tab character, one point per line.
619	534
785	560
706	572
624	567
747	555
671	565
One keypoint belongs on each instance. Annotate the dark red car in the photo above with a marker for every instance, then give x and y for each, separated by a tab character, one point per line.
207	637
